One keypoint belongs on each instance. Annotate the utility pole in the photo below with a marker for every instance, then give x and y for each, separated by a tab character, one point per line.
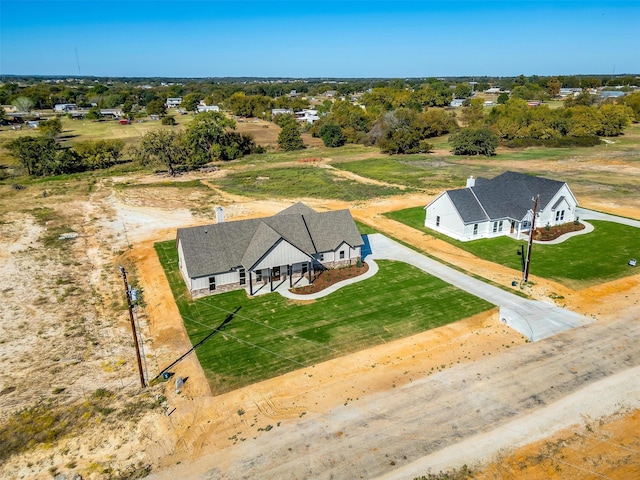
133	326
527	265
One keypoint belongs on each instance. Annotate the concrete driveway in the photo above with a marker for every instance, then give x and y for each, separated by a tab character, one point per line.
585	214
532	318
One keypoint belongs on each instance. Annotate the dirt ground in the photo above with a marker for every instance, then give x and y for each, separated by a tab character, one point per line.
75	340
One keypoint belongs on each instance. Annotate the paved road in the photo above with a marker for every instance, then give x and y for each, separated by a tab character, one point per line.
532	318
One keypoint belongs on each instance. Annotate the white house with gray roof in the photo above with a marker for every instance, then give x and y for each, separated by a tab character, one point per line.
264	253
499	206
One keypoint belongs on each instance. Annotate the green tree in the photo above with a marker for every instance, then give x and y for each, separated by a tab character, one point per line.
290	137
474	141
41	156
614	119
93	114
163	147
462	90
50	128
156	107
169	120
332	136
633	101
96	154
23	104
191	101
502	98
401	131
554	86
205	131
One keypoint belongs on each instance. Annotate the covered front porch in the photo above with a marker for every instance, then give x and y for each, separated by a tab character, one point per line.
280	277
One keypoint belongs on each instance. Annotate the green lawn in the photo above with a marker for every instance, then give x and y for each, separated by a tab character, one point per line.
302	181
579	262
271	335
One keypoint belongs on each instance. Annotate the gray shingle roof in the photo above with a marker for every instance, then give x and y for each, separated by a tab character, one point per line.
218	248
509	195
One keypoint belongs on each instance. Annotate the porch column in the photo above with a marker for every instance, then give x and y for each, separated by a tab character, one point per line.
519	230
250	283
290	273
271	279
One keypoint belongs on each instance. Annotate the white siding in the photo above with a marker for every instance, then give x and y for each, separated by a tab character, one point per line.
183	267
548	216
199	283
283	253
450	222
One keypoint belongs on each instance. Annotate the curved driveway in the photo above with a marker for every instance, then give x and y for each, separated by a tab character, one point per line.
532	318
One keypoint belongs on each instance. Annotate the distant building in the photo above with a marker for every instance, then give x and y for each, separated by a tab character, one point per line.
207	108
456	102
612	94
500	206
307	115
281	111
173	102
64	107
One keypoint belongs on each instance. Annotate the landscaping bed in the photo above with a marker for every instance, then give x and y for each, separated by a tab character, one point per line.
330	277
545	234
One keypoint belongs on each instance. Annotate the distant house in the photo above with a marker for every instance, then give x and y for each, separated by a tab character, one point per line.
307	115
456	102
499	206
612	94
64	107
207	108
330	93
281	111
265	252
173	102
111	112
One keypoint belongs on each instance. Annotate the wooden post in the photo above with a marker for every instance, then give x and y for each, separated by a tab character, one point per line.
133	326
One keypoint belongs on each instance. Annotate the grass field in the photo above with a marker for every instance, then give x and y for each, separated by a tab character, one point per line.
579	262
271	335
303	181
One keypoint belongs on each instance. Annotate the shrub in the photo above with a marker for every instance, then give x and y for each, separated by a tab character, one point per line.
168	120
474	141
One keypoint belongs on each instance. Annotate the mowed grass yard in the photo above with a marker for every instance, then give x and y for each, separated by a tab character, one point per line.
579	262
271	335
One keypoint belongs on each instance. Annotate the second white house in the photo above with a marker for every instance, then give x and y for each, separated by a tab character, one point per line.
499	206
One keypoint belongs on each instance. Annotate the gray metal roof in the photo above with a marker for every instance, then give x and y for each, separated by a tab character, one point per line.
509	195
221	247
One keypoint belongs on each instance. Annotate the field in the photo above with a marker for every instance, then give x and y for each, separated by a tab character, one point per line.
70	385
271	335
578	262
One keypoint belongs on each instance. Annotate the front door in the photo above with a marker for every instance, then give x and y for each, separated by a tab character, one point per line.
275	274
513	225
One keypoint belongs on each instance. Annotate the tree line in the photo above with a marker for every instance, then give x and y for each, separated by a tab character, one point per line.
210	136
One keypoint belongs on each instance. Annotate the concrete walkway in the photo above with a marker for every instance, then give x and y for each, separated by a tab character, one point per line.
532	318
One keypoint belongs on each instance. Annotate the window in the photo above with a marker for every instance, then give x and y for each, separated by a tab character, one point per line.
500	226
243	277
495	227
475	228
559	215
438	221
321	257
258	275
212	284
341	254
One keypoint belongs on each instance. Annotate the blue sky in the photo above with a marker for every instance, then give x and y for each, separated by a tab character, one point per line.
316	38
